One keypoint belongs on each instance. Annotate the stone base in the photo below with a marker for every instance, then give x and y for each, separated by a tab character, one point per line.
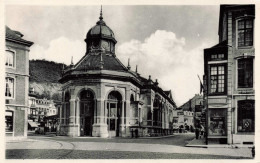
243	139
73	130
122	132
100	130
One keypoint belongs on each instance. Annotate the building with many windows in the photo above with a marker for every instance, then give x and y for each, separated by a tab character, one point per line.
103	98
17	83
229	78
42	112
191	112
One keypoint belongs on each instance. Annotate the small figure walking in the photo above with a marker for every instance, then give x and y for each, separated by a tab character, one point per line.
202	132
197	132
253	151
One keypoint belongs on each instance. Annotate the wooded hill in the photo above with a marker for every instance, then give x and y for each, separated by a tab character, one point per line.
45	71
44	76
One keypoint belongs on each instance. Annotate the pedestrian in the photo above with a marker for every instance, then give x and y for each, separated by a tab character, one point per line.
253	151
197	132
202	131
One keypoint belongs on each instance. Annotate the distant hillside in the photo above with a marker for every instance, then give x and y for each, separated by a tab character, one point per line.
44	76
45	71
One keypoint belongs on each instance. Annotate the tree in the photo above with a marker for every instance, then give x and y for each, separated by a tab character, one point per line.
45	94
56	96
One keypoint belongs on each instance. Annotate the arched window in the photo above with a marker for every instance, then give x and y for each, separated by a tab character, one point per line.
86	98
86	95
114	95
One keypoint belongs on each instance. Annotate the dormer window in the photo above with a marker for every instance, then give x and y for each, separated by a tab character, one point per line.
245	32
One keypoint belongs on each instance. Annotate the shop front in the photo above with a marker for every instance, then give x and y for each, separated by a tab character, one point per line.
217	125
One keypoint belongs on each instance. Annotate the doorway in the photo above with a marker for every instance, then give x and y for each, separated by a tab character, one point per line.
86	113
114	108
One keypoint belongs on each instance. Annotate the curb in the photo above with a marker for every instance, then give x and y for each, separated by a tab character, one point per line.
232	146
159	137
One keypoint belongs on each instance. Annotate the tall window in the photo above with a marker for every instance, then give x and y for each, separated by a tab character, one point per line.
9	59
245	32
245	73
246	116
8	121
9	89
217	79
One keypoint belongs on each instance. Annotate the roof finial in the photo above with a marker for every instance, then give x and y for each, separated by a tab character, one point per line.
136	69
128	66
71	60
101	17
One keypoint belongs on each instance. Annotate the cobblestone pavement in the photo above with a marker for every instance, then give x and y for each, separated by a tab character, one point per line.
78	154
97	148
177	140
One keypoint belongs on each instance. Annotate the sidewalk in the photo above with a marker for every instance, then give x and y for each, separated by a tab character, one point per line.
200	143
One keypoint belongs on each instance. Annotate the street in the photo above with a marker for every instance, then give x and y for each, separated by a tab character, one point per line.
44	147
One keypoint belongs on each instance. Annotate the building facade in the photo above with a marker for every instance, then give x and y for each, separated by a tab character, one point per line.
229	78
192	111
103	98
42	112
17	83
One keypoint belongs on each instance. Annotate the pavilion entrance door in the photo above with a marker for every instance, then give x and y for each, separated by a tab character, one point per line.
86	118
113	119
86	113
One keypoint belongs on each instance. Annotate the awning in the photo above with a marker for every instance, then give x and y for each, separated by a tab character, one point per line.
32	124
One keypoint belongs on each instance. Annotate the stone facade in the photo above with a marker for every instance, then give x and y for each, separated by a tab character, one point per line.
234	106
17	84
103	98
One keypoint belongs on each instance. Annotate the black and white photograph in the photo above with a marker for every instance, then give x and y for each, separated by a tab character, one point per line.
129	81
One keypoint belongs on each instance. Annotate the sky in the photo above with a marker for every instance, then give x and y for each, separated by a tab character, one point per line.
165	42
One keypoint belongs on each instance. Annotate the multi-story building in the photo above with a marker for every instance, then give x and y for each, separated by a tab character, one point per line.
190	109
41	112
229	78
17	83
103	98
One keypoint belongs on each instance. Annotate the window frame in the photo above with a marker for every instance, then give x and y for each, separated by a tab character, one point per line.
237	83
244	18
225	79
238	116
14	87
13	121
14	58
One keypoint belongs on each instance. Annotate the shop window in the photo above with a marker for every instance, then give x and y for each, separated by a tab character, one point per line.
9	58
246	116
245	73
245	32
217	79
9	89
217	122
8	121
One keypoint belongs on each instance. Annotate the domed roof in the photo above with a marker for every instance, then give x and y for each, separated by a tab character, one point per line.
100	29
